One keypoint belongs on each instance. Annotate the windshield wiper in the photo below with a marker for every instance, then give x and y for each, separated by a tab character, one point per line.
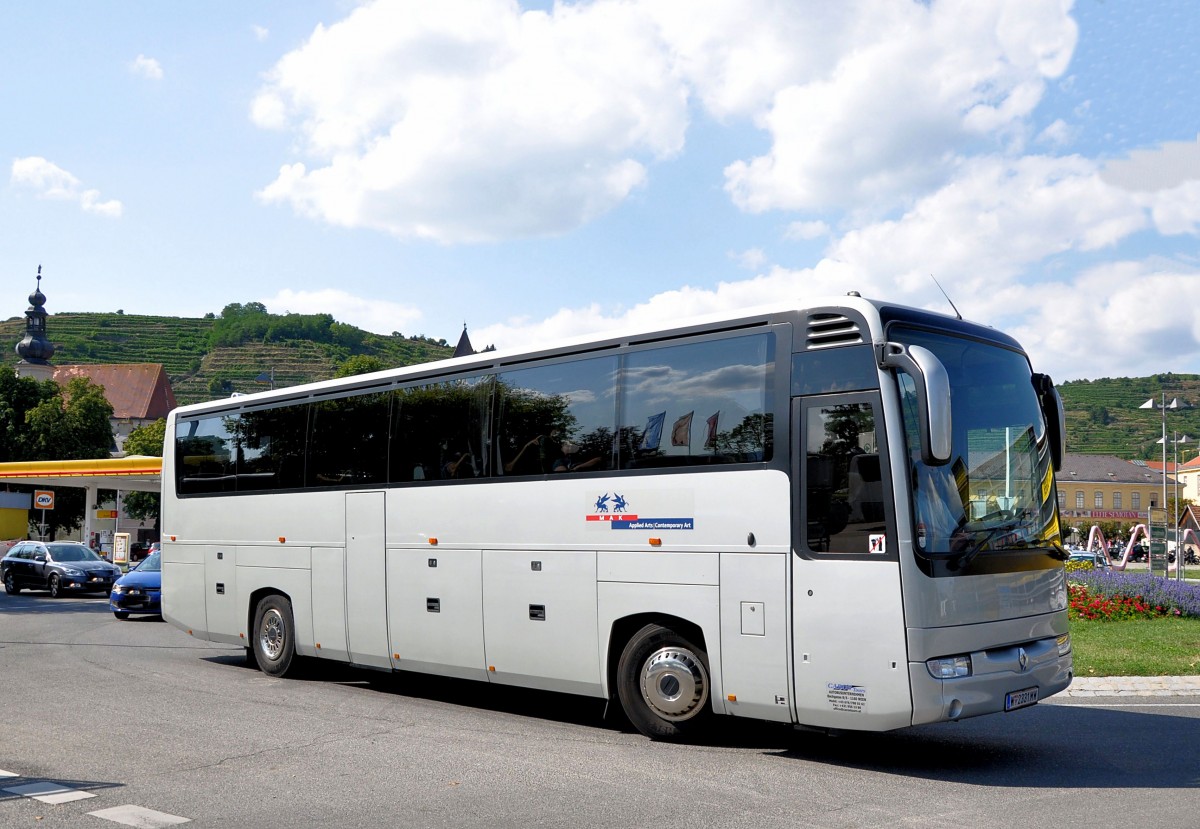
963	559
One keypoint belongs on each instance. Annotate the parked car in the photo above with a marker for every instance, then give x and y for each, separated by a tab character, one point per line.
139	590
57	566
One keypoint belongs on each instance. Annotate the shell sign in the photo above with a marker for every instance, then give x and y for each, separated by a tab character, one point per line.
43	499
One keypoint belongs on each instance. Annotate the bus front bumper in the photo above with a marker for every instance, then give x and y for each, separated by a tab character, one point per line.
1001	679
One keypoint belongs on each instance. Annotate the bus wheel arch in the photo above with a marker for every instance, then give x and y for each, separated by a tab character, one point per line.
659	666
273	632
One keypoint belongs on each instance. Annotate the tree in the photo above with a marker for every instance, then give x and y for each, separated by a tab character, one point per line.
359	364
39	421
145	440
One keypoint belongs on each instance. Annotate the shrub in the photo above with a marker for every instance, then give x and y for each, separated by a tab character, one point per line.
1112	594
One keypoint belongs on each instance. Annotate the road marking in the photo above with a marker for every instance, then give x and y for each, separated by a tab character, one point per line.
139	817
55	793
49	792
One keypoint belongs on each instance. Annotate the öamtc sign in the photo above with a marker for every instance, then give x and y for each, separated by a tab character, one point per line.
43	499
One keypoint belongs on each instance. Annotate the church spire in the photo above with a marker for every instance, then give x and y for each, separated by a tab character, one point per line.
463	349
35	349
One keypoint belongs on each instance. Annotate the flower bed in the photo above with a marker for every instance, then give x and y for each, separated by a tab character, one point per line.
1114	595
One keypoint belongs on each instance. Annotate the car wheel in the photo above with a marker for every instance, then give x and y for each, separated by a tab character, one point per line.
274	635
662	682
55	587
10	584
121	614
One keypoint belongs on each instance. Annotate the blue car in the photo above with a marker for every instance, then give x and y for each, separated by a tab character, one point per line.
139	590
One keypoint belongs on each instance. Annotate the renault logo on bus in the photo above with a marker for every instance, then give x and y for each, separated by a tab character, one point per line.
1023	659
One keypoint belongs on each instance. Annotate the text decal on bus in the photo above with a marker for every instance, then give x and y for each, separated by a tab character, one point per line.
614	510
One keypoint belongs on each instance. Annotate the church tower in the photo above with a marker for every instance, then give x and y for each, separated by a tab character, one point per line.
35	349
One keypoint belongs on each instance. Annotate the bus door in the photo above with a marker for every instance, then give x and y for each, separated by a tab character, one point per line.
851	662
366	580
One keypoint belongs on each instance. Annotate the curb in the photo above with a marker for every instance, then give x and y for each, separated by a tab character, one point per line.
1133	686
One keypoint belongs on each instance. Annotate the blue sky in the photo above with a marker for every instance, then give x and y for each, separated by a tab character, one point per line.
540	170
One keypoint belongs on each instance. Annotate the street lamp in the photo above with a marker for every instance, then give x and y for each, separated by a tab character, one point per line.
1177	439
1174	404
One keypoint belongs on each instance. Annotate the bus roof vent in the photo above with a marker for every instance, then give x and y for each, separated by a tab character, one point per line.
829	330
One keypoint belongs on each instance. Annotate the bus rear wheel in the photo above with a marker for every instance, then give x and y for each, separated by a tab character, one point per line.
274	635
663	683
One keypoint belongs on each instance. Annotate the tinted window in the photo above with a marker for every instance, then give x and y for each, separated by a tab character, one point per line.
271	448
348	444
557	418
701	403
205	454
843	487
439	431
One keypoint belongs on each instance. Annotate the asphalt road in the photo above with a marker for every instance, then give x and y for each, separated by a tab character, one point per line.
140	716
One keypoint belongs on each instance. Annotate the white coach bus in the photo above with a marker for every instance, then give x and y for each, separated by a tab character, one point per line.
840	516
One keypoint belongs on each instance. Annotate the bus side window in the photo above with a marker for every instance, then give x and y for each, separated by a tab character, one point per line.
844	495
438	431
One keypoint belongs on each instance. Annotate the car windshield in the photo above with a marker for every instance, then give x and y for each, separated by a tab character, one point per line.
71	552
151	563
997	492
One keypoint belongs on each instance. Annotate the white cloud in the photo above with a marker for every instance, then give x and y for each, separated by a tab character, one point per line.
378	316
146	68
49	181
991	237
469	120
751	259
1057	134
1114	320
806	230
261	33
922	84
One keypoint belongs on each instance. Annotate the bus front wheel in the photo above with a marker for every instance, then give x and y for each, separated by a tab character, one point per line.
274	635
663	683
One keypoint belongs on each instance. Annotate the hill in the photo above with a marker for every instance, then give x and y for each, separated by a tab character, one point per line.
1103	415
200	370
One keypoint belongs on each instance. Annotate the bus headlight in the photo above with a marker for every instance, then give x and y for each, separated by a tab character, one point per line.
1064	644
949	667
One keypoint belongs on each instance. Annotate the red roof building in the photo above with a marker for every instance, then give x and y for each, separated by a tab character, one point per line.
139	393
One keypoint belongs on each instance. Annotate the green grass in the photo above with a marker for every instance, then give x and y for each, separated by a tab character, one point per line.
1139	647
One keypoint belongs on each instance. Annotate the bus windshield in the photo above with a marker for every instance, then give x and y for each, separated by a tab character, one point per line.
997	492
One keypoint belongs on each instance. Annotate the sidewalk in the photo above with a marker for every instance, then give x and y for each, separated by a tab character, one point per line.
1133	686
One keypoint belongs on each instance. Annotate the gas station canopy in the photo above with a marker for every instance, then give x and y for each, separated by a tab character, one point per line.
136	472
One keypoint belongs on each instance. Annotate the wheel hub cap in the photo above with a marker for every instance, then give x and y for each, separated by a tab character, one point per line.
271	636
674	683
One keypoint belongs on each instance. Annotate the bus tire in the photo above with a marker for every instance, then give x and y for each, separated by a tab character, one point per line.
663	683
274	635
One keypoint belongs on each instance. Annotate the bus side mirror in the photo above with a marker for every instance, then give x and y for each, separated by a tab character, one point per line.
933	397
1056	417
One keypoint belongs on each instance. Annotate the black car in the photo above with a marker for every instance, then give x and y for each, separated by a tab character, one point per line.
57	566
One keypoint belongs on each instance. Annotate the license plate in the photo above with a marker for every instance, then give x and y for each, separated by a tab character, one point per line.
1019	699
